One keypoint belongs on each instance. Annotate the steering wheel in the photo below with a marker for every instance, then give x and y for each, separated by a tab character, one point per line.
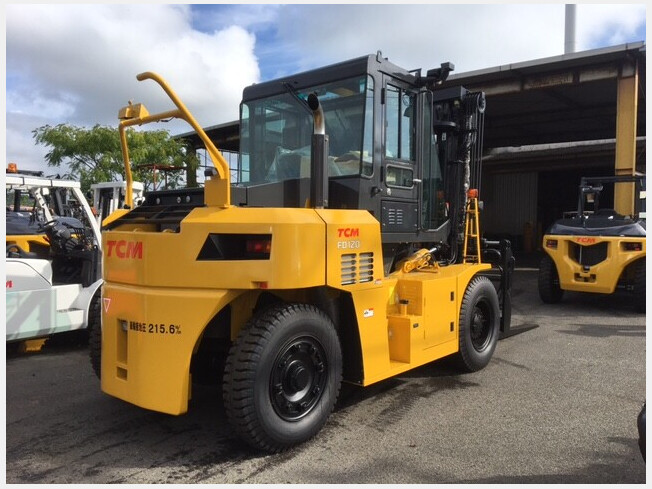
47	226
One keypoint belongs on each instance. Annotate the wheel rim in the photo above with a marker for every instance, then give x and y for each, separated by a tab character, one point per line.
298	378
481	326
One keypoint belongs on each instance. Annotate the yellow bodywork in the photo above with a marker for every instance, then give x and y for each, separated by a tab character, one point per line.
28	241
161	294
158	298
118	213
599	278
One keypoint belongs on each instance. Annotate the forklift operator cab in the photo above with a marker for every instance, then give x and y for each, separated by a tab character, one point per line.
391	148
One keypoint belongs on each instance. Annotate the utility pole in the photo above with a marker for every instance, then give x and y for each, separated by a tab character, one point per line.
569	39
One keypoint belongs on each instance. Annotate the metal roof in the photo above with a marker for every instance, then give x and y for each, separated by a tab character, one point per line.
567	98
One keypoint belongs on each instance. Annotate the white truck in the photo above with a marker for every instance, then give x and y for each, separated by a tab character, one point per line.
53	261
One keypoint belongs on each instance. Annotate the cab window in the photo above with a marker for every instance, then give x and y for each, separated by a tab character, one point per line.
400	120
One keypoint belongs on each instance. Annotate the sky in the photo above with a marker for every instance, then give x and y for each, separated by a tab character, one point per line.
76	64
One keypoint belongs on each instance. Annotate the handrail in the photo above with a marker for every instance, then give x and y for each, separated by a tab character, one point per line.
140	116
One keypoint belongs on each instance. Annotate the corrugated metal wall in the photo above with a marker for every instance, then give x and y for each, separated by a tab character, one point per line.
510	202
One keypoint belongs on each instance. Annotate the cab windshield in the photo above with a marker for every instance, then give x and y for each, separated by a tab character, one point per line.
275	132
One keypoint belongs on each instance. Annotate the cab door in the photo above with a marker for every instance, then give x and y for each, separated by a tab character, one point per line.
399	170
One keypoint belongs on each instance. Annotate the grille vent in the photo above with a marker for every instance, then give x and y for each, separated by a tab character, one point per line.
589	255
366	267
357	268
395	216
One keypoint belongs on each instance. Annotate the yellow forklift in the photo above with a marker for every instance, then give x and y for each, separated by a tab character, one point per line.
597	249
345	247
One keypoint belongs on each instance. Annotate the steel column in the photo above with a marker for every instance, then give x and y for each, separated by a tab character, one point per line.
626	112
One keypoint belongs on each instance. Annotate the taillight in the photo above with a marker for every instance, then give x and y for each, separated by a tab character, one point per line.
551	243
632	246
259	246
236	247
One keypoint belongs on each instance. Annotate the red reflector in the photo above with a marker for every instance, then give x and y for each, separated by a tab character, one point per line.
551	243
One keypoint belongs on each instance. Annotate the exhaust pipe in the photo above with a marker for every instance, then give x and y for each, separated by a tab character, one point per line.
318	156
317	114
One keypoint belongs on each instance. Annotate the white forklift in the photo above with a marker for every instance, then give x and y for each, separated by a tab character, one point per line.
53	261
110	196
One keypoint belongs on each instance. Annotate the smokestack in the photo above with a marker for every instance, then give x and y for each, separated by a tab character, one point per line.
569	41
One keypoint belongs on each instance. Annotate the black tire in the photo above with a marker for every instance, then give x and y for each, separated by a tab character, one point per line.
640	424
95	333
282	376
479	325
639	285
549	289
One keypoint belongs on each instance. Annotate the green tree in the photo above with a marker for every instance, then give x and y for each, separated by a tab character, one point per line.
94	155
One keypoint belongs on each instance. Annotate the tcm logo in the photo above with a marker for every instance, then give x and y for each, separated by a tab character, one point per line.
10	284
348	232
125	249
586	240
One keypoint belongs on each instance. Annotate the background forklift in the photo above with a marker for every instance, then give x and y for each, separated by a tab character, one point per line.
110	196
348	249
53	257
53	261
596	249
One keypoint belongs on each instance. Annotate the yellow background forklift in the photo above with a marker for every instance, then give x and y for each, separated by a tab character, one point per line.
348	248
597	249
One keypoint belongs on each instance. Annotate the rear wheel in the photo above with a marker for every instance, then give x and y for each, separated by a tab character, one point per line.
282	376
479	324
639	285
549	289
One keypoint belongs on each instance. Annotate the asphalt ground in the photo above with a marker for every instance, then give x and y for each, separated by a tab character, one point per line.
557	404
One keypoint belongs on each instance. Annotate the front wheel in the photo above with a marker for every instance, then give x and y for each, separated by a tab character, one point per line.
550	291
479	325
639	285
95	333
282	376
